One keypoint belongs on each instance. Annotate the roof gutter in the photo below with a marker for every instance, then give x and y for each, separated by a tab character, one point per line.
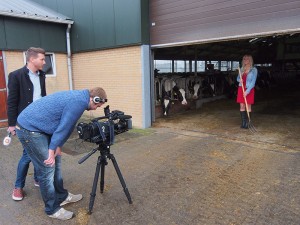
33	17
69	62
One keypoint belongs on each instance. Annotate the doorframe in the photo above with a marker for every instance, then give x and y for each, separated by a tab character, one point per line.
4	122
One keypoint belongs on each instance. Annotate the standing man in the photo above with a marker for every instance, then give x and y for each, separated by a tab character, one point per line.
43	128
25	85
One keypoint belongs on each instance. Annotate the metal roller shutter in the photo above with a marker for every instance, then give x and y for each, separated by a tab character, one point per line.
182	22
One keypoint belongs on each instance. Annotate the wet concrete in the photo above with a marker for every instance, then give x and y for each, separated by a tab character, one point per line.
192	168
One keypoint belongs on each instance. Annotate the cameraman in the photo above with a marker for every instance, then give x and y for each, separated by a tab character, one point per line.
43	128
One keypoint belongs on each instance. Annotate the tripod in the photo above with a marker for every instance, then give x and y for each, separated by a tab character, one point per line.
101	163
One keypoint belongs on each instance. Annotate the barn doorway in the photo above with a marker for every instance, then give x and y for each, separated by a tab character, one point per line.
277	58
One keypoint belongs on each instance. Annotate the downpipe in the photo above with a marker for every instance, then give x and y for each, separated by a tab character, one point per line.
70	76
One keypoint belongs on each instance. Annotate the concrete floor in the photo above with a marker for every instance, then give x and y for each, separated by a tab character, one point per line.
193	168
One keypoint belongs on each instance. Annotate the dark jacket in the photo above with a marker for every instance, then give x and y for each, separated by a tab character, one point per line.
20	92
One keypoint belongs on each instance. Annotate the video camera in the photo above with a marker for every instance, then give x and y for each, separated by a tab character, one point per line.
103	129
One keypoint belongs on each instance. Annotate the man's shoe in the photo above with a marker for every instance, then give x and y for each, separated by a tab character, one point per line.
71	198
17	194
36	183
62	214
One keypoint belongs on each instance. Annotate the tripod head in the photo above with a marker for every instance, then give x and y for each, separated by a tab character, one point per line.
102	147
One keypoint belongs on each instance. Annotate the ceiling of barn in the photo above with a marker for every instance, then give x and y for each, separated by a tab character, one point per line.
263	49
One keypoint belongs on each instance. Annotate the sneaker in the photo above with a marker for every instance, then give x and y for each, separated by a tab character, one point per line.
18	194
71	198
62	214
36	183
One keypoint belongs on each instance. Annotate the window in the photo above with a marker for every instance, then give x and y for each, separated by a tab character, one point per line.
264	65
49	68
164	66
225	65
212	65
179	66
200	66
235	65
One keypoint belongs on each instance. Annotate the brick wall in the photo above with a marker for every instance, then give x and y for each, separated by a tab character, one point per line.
60	82
14	60
118	71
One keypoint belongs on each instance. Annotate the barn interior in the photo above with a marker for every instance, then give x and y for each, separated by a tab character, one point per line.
277	58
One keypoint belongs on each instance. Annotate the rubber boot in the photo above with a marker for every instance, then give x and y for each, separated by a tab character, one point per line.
244	117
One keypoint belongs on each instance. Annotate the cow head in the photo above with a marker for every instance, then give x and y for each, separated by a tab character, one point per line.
180	93
183	101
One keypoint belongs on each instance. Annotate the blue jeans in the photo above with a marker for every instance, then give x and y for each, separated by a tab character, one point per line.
50	178
23	170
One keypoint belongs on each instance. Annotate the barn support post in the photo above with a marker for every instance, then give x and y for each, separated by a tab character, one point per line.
146	86
152	85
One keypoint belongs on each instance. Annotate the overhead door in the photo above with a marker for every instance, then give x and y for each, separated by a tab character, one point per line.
183	22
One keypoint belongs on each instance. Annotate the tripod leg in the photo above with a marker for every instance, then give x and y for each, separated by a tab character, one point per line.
113	159
103	163
93	193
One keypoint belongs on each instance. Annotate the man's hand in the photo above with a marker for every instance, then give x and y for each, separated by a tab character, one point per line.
12	130
51	159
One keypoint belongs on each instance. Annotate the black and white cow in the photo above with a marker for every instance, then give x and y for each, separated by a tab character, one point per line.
170	92
194	87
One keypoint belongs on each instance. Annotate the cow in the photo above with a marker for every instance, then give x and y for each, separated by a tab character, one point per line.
158	91
170	91
194	87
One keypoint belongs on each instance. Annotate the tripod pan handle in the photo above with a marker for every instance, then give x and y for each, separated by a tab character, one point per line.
86	156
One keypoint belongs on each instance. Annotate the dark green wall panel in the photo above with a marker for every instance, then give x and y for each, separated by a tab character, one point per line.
2	34
20	34
127	21
104	25
53	37
65	7
83	33
145	21
100	24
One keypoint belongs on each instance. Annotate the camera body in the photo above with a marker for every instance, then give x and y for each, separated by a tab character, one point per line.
103	129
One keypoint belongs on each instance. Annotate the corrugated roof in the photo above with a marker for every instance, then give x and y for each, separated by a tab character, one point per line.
31	10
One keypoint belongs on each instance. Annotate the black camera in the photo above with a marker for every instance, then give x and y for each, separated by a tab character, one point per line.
103	129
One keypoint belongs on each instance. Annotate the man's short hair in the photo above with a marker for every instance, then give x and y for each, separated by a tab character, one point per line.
98	91
33	52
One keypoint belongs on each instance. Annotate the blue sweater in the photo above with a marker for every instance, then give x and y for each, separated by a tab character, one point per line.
55	114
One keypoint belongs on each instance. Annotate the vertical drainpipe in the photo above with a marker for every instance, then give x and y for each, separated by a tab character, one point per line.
69	57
